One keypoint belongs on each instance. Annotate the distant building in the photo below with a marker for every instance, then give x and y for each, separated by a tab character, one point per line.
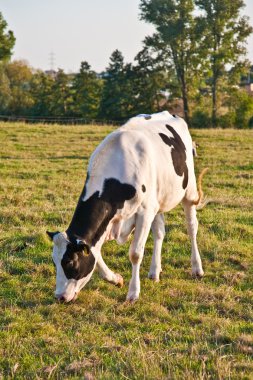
51	73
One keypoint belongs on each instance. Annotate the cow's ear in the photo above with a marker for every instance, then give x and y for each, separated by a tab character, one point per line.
52	234
83	246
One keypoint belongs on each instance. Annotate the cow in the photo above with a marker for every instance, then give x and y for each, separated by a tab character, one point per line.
137	173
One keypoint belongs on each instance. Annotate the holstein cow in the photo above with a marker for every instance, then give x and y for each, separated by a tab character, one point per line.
139	171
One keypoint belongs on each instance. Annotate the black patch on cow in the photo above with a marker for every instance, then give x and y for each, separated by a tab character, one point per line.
143	188
77	261
92	216
85	185
178	153
147	117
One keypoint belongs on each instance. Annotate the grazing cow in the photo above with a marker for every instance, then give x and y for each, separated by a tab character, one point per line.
139	171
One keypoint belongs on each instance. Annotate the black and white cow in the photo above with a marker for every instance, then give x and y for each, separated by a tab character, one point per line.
139	171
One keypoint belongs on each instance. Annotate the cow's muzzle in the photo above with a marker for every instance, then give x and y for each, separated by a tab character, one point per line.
65	299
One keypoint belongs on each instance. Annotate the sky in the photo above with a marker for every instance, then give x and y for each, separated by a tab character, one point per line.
80	30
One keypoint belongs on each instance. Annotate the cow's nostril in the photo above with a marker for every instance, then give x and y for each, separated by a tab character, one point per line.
62	298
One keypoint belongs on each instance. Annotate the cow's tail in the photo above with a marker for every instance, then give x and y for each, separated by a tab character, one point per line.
200	202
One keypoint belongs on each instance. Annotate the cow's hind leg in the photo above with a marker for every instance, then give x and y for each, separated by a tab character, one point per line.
107	274
158	230
136	251
192	227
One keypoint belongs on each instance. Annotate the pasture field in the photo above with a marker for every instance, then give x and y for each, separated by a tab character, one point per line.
181	328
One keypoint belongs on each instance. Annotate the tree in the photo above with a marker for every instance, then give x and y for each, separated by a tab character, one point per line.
42	93
19	75
5	91
149	79
62	95
7	40
87	91
115	97
225	34
176	37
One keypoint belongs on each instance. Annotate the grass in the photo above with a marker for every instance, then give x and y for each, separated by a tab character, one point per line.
181	328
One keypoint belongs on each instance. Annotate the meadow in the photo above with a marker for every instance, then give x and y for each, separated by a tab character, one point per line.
181	328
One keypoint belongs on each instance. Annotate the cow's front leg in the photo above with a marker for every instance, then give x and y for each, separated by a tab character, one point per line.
192	227
107	274
136	251
158	230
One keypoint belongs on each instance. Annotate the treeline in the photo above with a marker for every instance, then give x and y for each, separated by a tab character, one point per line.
121	91
193	64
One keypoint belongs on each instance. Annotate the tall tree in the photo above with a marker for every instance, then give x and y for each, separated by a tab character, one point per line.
225	34
62	95
87	91
115	96
176	37
150	78
7	40
42	93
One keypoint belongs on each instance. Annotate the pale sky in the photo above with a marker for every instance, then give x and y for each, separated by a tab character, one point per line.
79	30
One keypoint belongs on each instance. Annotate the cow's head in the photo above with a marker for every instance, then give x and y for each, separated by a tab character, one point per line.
74	265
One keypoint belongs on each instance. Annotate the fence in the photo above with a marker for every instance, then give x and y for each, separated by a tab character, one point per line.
58	120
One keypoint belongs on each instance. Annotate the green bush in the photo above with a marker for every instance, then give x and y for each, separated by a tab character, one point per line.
200	119
227	120
241	105
244	111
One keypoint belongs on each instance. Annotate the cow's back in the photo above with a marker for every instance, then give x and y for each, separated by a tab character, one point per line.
154	155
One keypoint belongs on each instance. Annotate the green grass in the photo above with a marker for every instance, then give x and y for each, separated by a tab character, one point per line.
181	328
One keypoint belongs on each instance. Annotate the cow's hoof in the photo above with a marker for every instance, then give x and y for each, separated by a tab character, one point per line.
119	279
132	298
197	273
153	277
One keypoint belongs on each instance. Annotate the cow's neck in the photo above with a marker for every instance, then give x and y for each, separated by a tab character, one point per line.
91	219
93	214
